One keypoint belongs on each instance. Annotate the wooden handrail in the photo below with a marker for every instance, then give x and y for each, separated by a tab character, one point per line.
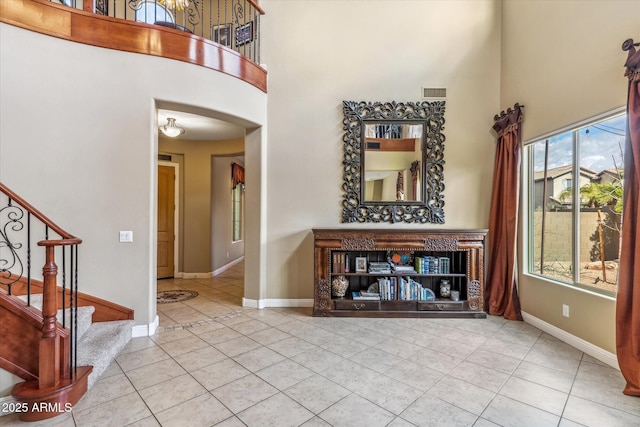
67	238
256	6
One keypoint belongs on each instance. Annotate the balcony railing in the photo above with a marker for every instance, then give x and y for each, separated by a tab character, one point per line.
234	24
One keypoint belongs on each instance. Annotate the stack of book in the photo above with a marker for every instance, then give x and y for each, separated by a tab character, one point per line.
364	295
376	267
403	269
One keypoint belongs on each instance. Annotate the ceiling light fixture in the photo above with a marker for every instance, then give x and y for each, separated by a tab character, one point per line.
171	129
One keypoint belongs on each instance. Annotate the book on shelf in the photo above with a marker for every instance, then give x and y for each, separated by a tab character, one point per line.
403	269
340	262
432	265
362	295
377	267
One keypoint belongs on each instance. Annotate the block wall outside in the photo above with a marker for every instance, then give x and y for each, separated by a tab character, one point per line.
558	226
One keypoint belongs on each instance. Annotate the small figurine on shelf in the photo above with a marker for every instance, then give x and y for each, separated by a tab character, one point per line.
339	286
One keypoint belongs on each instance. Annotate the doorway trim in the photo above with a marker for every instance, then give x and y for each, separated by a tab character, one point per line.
176	215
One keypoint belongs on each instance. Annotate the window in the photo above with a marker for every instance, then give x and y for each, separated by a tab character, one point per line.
236	211
151	12
574	192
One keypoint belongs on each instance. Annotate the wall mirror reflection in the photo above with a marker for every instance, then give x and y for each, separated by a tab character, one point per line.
392	159
393	162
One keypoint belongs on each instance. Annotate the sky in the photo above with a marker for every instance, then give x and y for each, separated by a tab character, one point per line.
601	146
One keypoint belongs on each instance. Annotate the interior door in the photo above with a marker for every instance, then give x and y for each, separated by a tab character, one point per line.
166	211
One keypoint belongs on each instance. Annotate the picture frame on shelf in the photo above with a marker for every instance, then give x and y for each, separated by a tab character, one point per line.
222	34
361	264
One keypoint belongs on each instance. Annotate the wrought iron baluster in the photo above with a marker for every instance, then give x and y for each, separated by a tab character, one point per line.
64	286
75	295
28	258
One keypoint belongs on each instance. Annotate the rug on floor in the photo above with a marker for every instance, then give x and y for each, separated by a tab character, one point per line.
178	295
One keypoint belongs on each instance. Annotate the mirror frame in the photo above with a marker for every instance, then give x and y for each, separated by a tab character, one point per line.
427	210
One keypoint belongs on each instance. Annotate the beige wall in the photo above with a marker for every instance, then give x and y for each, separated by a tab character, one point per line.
320	53
563	61
82	147
196	237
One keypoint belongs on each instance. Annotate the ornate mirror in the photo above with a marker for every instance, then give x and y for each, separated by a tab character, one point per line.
393	162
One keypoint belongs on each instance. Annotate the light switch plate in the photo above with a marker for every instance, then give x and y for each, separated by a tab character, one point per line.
126	236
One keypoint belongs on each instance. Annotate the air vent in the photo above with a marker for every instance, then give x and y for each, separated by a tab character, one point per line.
434	93
164	157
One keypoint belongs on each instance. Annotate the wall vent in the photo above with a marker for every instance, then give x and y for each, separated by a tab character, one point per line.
434	92
164	157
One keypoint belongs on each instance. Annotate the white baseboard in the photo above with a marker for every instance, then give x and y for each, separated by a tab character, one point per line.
145	330
592	350
227	266
273	303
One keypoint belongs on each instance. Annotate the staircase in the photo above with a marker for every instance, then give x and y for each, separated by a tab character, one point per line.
98	343
59	340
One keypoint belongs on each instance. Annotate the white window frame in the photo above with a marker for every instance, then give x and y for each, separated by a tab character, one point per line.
528	202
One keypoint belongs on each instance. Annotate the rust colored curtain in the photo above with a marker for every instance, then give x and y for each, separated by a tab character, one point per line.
501	292
628	299
237	174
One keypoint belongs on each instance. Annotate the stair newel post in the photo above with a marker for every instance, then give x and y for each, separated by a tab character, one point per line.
49	374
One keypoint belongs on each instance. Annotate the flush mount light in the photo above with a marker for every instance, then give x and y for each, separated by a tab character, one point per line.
171	129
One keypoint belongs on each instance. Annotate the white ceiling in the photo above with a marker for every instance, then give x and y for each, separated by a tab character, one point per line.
200	128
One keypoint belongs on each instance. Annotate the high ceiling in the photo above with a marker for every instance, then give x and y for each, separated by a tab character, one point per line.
200	128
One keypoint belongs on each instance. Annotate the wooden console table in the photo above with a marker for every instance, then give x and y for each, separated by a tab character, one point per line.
432	273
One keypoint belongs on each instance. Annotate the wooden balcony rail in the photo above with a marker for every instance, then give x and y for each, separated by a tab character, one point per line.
223	35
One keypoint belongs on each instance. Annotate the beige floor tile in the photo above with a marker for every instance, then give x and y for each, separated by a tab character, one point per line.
184	345
428	411
155	373
203	410
140	358
259	358
278	410
171	392
535	395
220	373
104	390
236	396
508	412
200	358
355	411
124	410
316	393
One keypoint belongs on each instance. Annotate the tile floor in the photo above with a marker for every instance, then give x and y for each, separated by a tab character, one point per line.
214	362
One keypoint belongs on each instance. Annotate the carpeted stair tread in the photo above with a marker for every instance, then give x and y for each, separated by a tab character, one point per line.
101	344
85	314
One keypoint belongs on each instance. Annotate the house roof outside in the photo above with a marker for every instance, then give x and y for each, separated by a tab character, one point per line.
563	170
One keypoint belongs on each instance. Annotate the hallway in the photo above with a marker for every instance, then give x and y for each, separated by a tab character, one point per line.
217	297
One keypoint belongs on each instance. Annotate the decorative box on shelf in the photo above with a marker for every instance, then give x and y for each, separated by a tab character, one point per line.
415	273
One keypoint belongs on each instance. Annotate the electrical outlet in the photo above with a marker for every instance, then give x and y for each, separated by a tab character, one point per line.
126	236
565	310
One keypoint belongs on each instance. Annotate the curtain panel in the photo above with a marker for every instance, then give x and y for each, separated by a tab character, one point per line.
501	289
628	299
237	174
